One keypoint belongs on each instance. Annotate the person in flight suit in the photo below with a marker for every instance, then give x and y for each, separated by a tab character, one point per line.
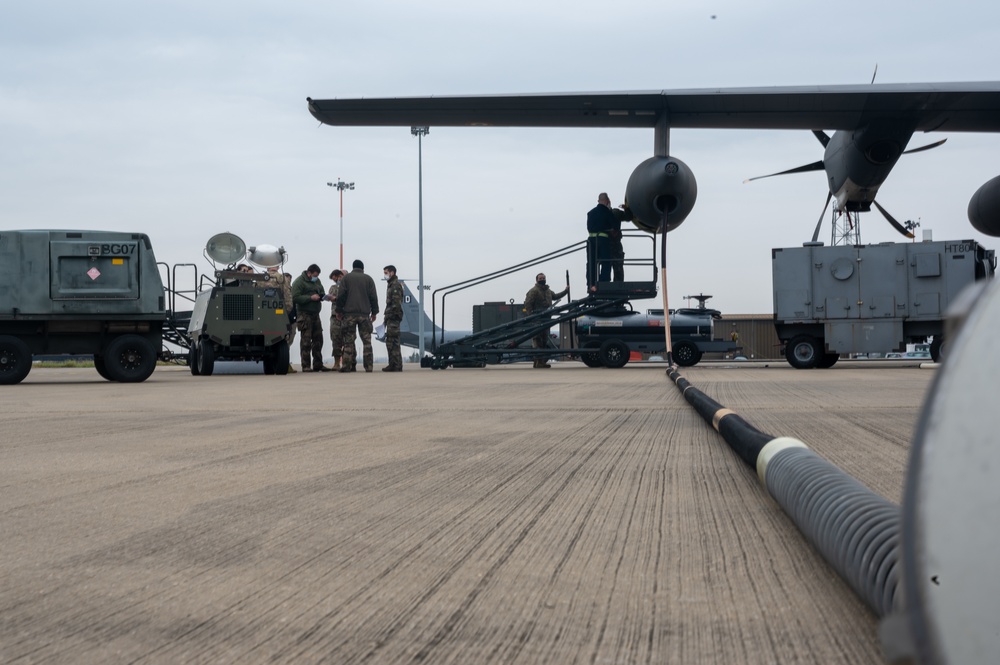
600	221
622	214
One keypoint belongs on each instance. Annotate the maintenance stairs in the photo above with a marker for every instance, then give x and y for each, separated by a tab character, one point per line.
175	326
502	344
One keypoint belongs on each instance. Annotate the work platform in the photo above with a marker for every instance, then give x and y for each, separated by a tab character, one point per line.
503	343
502	515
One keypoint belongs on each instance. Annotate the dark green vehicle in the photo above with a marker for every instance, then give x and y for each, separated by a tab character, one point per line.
239	316
93	293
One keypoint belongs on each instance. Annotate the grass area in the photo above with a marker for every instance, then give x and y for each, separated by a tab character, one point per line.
73	362
69	362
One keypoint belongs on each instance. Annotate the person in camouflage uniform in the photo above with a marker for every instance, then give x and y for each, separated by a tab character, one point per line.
277	279
538	298
357	307
393	317
292	319
307	294
336	326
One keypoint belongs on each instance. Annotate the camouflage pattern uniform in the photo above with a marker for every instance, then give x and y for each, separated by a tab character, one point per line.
357	302
393	317
336	327
538	298
278	280
310	323
291	318
357	325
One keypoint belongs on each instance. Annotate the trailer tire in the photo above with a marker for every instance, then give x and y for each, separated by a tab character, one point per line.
614	353
101	367
129	359
686	354
206	357
828	360
937	348
592	359
193	359
803	352
15	360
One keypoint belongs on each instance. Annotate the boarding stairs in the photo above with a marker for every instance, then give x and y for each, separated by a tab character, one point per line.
503	343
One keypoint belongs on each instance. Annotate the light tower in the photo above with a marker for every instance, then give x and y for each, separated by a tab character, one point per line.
420	133
340	185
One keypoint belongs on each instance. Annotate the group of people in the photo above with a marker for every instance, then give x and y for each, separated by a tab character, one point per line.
355	308
355	300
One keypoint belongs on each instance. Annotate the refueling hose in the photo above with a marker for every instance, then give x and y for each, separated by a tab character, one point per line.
854	529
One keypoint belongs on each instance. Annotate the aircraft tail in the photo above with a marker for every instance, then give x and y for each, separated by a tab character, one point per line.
412	314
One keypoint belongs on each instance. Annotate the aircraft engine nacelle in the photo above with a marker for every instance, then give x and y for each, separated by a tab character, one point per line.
658	185
984	208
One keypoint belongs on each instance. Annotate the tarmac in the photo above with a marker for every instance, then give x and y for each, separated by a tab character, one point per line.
497	515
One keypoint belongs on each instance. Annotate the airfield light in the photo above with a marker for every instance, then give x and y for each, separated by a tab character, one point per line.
341	186
420	133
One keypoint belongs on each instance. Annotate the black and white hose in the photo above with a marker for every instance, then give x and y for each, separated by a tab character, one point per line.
856	530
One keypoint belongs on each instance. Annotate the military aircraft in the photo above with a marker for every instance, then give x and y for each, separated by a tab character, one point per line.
872	125
409	328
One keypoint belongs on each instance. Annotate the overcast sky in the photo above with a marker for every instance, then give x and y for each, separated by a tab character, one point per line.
185	119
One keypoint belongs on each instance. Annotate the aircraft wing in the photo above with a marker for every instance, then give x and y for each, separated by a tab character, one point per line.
956	107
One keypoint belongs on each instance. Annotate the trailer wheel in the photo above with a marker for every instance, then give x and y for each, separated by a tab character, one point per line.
15	360
614	353
281	357
803	352
592	359
937	348
206	357
193	359
129	359
686	354
828	360
101	367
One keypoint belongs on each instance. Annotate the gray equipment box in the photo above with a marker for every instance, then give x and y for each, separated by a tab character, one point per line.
492	314
76	293
869	298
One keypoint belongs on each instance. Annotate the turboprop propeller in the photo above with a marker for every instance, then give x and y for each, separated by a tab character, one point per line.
857	163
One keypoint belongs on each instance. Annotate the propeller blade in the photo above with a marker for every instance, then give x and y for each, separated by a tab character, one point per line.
829	195
821	136
815	166
889	218
925	147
